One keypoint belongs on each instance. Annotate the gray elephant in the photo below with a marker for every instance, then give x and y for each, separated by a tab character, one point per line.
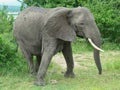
44	32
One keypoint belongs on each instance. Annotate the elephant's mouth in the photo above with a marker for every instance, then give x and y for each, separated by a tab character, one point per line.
79	32
96	47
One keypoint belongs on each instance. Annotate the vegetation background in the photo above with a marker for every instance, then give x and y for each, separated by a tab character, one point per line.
13	67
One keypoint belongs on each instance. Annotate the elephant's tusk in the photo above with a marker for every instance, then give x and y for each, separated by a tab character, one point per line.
95	45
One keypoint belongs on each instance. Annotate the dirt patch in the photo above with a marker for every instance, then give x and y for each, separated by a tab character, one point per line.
78	59
85	60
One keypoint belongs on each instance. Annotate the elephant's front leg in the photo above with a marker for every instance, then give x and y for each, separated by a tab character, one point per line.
45	61
67	52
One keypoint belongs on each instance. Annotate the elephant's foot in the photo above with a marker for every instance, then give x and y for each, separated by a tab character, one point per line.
39	82
69	74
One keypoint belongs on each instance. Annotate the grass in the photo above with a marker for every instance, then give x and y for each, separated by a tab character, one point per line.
87	77
81	46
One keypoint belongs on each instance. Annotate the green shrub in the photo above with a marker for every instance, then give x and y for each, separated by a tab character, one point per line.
50	3
7	52
5	21
9	58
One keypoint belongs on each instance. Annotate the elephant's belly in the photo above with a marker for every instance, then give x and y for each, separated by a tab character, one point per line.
33	47
34	50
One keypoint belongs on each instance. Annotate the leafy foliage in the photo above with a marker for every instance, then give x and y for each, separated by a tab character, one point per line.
7	52
5	20
7	46
50	3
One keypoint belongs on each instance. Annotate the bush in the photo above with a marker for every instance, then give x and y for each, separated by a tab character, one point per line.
7	49
5	21
9	59
49	3
7	52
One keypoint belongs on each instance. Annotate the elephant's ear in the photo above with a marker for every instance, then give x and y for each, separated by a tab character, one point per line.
58	25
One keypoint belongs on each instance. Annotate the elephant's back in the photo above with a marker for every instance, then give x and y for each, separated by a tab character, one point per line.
29	21
31	14
34	9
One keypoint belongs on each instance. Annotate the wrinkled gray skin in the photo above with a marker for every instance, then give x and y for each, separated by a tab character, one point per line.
44	32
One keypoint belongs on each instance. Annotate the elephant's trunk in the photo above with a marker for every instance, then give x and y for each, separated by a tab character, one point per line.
97	60
97	50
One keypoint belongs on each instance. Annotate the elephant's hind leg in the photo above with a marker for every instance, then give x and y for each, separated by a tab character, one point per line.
47	55
67	53
38	61
29	58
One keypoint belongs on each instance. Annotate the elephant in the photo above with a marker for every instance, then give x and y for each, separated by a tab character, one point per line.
42	32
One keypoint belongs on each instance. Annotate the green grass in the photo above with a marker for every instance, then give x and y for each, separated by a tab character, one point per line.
81	46
87	77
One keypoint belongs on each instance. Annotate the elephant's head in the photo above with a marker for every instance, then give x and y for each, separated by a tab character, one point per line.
66	24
